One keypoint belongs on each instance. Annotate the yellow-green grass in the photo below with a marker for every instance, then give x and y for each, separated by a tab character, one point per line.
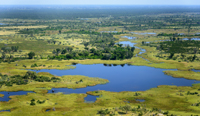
23	27
40	45
7	32
151	53
166	98
1	95
16	68
67	81
113	28
184	74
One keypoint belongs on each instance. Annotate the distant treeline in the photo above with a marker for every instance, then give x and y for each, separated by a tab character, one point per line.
74	12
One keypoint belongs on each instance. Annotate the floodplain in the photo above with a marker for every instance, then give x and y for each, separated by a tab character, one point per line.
83	64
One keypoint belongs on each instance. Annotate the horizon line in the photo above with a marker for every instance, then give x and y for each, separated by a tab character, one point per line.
108	4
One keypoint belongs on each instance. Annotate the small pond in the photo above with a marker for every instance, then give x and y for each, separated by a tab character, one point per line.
197	33
4	110
140	100
7	94
196	39
129	37
146	33
126	43
195	70
3	24
90	99
109	31
181	34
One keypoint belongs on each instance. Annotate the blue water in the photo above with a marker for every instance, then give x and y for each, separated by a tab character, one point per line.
109	31
147	33
191	39
121	78
126	43
140	100
90	99
3	24
7	94
181	34
129	37
4	110
48	110
195	70
126	78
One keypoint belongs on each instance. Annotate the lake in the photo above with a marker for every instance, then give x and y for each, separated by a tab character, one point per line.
121	78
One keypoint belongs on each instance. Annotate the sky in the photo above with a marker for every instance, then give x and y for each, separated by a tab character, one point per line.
99	2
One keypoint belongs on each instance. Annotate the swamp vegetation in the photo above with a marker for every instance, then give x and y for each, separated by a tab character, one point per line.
59	38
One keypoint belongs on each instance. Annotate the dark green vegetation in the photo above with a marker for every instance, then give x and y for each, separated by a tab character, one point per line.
20	80
110	52
185	50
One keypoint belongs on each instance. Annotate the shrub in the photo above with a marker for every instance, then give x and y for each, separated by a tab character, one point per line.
40	102
32	103
104	111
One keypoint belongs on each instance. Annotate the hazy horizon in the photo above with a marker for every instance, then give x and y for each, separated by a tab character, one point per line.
102	2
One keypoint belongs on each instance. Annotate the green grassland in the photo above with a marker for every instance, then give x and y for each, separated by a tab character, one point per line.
44	36
65	82
158	100
184	74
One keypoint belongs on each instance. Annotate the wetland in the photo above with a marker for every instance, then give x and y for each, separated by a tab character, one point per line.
99	62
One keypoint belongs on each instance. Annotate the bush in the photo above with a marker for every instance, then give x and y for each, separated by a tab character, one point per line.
43	79
8	84
34	65
104	112
32	103
54	79
40	102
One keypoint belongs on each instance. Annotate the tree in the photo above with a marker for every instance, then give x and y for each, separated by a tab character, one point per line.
30	75
3	55
86	44
126	108
132	49
14	48
69	56
85	53
92	50
112	43
31	55
174	38
194	57
171	55
64	51
106	50
143	42
58	51
69	49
